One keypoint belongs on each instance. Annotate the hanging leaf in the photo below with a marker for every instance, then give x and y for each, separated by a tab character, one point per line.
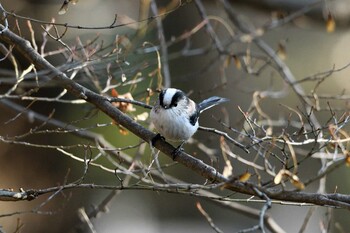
282	52
123	106
227	61
114	93
279	177
64	7
330	23
237	62
297	183
347	160
123	131
245	177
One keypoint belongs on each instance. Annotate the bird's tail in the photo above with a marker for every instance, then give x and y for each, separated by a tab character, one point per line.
211	102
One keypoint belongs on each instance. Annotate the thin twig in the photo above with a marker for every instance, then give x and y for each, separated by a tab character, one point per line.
208	218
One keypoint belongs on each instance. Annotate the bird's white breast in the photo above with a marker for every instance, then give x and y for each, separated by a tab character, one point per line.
172	123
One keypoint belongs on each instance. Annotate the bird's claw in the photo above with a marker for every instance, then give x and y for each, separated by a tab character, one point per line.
156	138
177	151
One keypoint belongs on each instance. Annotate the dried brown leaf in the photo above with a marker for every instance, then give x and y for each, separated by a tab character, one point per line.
237	62
245	177
64	7
330	23
279	177
297	183
282	52
347	160
123	106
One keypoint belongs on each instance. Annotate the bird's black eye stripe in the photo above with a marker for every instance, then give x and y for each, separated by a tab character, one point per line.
176	98
161	98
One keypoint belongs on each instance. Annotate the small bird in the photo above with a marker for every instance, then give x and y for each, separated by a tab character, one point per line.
175	116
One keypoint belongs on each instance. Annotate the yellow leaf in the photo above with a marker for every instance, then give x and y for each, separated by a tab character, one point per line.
278	178
347	161
237	62
298	184
64	7
123	131
282	53
330	23
294	179
245	177
281	175
227	61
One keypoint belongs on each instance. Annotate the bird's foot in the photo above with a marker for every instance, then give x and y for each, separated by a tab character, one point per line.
156	138
177	151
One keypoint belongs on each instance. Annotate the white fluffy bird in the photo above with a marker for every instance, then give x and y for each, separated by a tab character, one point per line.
175	116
